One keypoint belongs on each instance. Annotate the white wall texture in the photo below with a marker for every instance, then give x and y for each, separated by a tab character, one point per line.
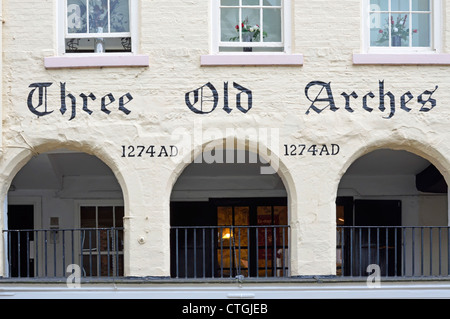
175	34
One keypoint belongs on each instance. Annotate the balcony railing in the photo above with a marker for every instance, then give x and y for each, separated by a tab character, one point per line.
399	251
47	252
229	251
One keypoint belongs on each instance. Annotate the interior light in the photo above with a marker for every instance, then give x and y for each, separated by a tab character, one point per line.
226	234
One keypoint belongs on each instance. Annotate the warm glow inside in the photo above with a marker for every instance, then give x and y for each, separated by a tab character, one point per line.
226	234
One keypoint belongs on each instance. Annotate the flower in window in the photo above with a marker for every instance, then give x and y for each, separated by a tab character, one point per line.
249	32
399	30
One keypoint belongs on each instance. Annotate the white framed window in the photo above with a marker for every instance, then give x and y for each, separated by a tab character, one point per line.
402	26
251	26
102	242
97	33
97	26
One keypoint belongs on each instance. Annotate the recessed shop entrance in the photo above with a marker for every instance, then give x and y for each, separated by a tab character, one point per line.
64	207
392	211
375	237
229	220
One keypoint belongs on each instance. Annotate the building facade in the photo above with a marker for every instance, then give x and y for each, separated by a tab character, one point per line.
248	148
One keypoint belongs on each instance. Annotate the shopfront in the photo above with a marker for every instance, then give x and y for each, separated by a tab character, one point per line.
177	153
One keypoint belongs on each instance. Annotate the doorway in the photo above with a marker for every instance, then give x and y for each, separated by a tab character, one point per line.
256	251
382	245
21	244
229	237
372	238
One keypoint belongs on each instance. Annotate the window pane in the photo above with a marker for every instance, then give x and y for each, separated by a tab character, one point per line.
76	16
229	24
420	5
400	30
421	30
230	3
87	217
264	215
251	16
251	29
88	45
280	215
400	5
379	29
105	217
272	25
119	214
241	216
224	216
272	3
251	21
98	16
379	5
120	16
250	2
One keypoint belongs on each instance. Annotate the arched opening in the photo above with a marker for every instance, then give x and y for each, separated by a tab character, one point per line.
392	211
64	208
228	219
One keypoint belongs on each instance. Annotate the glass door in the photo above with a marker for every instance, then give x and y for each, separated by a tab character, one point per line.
252	241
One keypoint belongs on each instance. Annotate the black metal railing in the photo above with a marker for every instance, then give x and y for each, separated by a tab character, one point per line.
399	251
229	251
48	252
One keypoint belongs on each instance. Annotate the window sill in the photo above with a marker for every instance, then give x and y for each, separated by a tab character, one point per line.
95	61
402	59
251	59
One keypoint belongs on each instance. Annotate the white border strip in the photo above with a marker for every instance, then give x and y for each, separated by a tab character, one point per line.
432	290
425	58
252	59
95	61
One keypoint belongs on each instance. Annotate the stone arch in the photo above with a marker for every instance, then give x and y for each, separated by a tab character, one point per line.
373	196
419	148
61	159
248	147
16	159
245	145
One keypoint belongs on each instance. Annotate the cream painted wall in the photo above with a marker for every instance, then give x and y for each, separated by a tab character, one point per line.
174	34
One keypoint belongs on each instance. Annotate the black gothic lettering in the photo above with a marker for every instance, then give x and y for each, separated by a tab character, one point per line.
63	102
85	102
238	98
329	99
122	104
42	98
391	98
104	105
429	100
210	98
108	99
403	101
365	107
347	100
225	98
